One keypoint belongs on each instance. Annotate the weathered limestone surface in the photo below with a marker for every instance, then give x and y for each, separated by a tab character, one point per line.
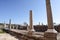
10	24
31	28
51	33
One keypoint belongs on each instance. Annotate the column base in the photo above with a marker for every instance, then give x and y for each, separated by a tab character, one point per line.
51	34
30	32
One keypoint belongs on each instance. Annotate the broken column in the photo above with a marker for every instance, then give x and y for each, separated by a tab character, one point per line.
31	28
51	33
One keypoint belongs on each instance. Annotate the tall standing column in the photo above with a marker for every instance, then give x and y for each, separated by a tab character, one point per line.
31	23
10	23
31	28
51	33
49	15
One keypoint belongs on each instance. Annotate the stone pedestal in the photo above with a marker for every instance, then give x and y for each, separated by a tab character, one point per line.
50	34
31	32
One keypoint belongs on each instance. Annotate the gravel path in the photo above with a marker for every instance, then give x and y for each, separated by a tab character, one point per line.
6	36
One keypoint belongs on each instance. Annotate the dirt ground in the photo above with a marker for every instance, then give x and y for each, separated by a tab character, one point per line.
5	36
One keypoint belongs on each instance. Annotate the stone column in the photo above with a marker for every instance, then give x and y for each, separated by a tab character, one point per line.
17	26
51	33
39	23
31	28
10	24
4	25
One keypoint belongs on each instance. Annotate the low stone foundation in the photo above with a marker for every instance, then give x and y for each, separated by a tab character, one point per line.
24	37
46	36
